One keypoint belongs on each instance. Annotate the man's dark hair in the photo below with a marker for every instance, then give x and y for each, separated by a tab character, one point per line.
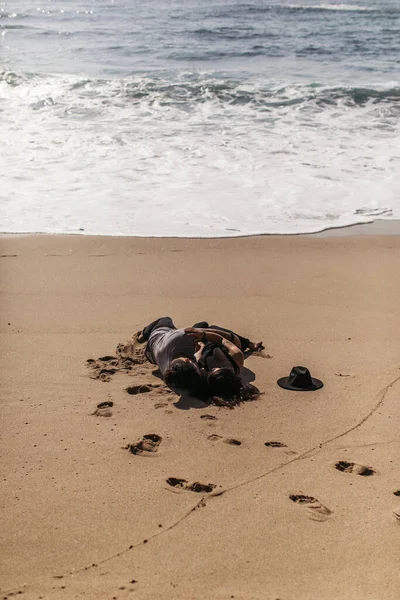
183	375
224	383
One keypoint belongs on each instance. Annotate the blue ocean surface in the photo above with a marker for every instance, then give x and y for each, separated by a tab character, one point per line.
198	119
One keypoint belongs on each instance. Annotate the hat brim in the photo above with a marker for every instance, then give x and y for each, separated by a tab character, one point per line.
316	384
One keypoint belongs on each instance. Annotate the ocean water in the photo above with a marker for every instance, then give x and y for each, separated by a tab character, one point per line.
198	118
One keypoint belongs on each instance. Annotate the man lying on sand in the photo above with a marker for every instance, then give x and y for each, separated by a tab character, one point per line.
173	351
183	355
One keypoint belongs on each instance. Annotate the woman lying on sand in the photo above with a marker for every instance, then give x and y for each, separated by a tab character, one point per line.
220	356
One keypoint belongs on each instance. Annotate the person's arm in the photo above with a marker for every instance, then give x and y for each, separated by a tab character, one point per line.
227	335
209	335
232	337
213	335
204	335
235	353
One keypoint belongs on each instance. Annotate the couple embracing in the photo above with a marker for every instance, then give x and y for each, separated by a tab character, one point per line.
203	359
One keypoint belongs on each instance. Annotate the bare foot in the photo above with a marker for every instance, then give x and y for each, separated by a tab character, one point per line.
256	346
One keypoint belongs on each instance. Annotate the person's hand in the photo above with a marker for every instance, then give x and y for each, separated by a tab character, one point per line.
195	333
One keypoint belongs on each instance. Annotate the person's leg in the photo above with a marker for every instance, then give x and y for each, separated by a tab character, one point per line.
162	322
244	342
201	325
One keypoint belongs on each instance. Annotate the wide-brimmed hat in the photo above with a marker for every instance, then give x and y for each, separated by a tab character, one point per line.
300	380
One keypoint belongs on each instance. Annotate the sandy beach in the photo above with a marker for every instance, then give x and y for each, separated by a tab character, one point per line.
298	492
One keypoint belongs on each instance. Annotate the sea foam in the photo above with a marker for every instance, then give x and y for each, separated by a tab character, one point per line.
199	157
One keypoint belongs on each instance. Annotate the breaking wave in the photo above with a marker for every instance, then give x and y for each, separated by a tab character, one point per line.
192	90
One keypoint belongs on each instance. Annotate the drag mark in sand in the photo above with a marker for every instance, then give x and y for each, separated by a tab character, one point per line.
315	449
215	494
368	445
199	503
383	393
315	509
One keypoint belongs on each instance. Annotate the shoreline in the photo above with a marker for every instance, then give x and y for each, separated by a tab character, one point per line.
374	227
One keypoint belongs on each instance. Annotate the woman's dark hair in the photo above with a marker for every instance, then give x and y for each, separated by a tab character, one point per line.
224	383
183	375
227	389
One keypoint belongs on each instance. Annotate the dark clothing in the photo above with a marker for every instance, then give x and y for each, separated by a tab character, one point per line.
162	322
165	343
208	352
244	342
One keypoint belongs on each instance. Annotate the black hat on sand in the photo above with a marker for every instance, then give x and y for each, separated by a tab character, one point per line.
300	380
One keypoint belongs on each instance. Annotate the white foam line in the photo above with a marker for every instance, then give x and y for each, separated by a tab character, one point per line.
371	227
338	7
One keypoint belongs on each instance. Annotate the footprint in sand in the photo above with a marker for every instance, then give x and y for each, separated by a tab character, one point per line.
396	512
160	404
127	356
104	409
198	487
280	445
315	509
232	442
142	389
148	444
275	444
104	367
355	468
208	417
217	438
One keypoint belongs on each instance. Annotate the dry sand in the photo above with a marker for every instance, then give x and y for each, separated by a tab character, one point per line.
84	517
